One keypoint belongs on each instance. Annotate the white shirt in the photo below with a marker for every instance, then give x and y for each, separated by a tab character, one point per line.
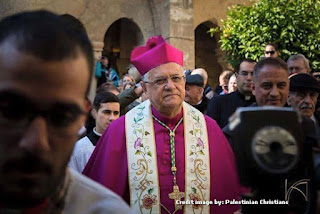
86	196
81	154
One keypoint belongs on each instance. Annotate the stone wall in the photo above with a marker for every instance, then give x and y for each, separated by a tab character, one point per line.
213	10
176	20
182	30
209	11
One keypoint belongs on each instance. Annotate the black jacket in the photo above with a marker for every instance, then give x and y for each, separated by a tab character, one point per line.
221	107
93	138
203	105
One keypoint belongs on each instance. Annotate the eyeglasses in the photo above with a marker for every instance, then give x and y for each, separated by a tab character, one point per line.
164	81
298	69
245	73
270	52
17	112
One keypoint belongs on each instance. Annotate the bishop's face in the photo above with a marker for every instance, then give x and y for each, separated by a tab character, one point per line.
166	88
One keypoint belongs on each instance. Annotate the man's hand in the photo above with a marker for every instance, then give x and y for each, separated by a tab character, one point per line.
138	90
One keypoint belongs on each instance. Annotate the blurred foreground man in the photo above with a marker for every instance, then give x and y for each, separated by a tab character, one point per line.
164	150
45	70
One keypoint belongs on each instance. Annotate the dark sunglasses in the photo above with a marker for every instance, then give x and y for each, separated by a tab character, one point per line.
270	52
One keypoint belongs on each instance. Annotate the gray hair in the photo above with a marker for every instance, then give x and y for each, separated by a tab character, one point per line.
145	77
277	62
300	56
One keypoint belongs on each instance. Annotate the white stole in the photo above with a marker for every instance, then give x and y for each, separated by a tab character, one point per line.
142	160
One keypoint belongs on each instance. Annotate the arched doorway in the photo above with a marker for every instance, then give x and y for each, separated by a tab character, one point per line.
206	52
121	37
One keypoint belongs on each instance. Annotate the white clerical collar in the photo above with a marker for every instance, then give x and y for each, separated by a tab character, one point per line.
313	119
199	102
95	131
247	97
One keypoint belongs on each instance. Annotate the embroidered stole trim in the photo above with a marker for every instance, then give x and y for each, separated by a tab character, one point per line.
142	160
197	173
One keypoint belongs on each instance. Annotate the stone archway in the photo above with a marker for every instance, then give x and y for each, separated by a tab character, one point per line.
121	37
207	52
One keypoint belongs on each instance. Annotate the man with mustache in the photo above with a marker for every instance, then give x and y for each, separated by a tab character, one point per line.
45	69
303	95
220	108
164	151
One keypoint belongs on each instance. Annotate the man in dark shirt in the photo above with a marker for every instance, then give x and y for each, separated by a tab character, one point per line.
220	108
105	109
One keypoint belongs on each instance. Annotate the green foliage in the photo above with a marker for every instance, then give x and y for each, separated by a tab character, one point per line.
294	25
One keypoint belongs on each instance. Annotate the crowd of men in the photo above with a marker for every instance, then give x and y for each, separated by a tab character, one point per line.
172	144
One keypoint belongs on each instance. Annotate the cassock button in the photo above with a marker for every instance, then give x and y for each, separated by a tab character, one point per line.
165	162
167	152
168	142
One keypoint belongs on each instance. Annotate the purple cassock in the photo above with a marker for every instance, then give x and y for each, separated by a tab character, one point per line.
108	164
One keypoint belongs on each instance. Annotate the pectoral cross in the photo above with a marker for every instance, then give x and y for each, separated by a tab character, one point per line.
176	195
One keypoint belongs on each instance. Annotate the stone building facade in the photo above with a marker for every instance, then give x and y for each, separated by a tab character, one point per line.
115	27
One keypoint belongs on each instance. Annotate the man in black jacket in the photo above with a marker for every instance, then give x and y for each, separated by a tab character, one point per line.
220	108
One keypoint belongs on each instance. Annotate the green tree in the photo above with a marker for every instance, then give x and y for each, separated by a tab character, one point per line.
294	25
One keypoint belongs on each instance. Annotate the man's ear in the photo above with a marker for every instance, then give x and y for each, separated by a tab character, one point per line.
253	87
94	113
201	90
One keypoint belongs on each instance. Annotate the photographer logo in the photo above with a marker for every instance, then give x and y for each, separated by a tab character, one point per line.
301	186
